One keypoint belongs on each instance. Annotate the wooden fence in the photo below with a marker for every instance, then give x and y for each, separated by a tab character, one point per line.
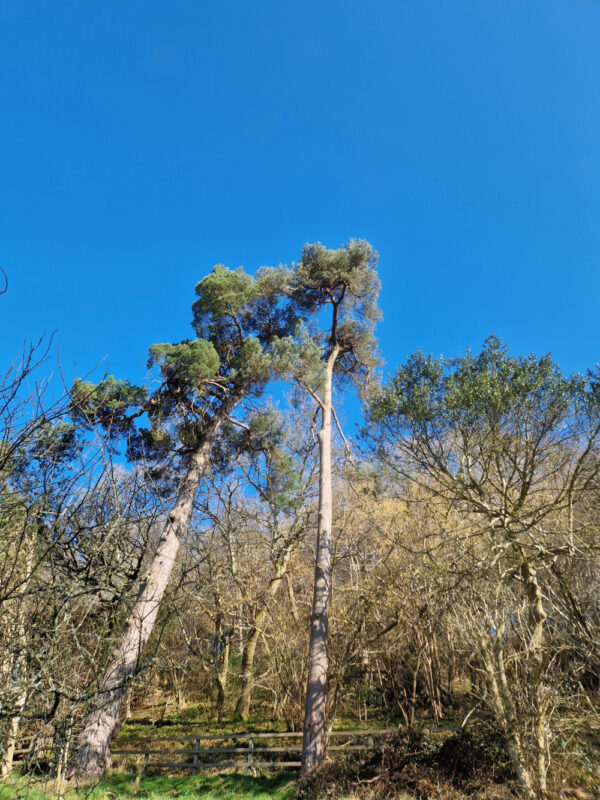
262	750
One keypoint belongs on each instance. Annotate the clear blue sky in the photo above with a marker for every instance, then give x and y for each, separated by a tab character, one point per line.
143	142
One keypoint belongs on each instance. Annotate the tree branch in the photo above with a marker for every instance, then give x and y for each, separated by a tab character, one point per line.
339	427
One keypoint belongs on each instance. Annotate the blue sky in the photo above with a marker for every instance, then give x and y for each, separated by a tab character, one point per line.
143	142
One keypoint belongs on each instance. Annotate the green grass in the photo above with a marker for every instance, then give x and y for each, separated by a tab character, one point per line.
279	786
209	787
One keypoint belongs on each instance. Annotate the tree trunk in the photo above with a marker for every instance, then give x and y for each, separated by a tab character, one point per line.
315	714
18	668
537	618
222	680
93	755
11	741
504	707
292	597
242	710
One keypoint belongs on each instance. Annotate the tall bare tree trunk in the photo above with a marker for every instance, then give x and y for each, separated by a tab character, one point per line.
93	755
315	714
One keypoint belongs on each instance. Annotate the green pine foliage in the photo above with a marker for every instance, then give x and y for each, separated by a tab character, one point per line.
344	281
239	321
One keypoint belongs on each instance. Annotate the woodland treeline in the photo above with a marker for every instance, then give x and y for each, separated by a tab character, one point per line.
210	538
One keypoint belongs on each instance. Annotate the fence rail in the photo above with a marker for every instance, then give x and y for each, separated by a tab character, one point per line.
229	754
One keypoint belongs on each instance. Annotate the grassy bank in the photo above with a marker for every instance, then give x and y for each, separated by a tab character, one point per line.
209	787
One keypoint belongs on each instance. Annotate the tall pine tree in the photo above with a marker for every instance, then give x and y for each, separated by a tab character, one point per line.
238	319
343	283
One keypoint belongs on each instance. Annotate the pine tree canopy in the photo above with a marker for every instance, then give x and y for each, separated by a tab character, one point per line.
238	320
344	280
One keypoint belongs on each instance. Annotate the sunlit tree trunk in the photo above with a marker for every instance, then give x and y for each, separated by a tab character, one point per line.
315	715
537	619
504	707
222	677
292	598
12	737
93	754
242	709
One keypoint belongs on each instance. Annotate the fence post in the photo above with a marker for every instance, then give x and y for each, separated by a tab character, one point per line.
250	754
196	749
146	759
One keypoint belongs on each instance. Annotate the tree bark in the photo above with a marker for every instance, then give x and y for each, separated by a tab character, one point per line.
506	713
315	714
242	710
11	740
92	757
537	617
292	597
222	679
18	668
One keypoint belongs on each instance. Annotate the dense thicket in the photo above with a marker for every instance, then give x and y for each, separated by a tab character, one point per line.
461	535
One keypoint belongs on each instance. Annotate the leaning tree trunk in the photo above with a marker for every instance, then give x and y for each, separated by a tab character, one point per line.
315	714
92	757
